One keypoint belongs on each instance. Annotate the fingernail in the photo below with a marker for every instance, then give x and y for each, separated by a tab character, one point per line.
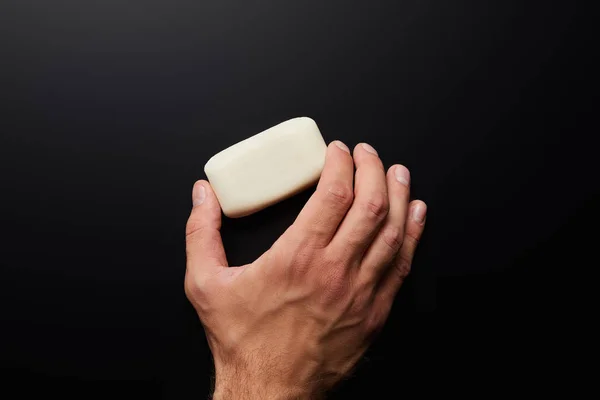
419	212
369	148
198	195
342	146
402	174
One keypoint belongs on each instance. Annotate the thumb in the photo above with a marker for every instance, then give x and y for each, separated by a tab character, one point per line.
204	247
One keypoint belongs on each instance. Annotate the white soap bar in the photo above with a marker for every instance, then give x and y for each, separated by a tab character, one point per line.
267	167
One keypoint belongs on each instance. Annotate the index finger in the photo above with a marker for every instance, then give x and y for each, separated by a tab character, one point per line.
322	214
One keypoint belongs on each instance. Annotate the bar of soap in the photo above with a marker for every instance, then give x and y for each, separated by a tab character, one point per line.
267	167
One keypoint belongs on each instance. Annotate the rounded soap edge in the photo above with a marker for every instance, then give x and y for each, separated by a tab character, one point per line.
210	162
308	120
253	137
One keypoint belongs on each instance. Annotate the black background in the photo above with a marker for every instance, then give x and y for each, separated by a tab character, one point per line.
111	108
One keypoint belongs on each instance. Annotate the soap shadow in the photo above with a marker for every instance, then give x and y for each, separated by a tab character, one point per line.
245	239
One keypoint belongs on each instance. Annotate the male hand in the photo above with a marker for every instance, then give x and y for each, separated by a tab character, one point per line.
295	321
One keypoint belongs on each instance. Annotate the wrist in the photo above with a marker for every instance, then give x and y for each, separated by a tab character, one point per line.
258	391
238	384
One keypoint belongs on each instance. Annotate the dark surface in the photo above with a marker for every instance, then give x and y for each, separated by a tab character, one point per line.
110	110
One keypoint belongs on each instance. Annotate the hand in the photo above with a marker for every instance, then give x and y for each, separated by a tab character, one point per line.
295	321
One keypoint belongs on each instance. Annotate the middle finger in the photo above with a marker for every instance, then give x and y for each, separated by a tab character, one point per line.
369	209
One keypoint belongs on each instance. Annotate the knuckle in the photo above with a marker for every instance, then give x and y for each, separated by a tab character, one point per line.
361	303
200	292
340	194
294	257
392	237
335	284
377	317
194	288
373	324
376	205
402	267
412	240
193	227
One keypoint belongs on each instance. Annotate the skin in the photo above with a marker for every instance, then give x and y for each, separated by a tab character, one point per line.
294	322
